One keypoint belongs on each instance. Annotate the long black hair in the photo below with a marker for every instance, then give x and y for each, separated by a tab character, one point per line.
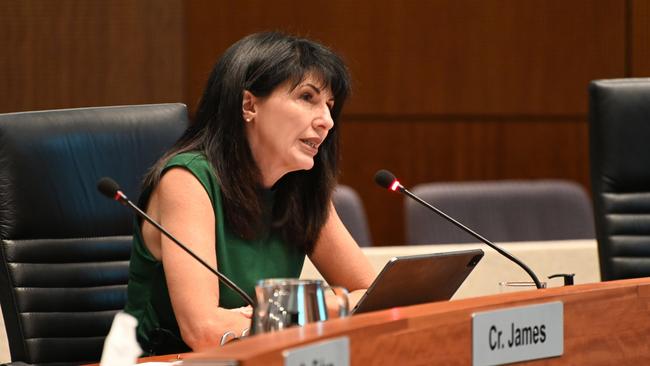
260	63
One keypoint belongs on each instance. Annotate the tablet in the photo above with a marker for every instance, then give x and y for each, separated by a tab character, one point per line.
418	279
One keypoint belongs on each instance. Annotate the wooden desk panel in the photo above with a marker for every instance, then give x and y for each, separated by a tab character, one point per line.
605	323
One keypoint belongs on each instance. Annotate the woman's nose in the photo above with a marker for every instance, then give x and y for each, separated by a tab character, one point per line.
325	119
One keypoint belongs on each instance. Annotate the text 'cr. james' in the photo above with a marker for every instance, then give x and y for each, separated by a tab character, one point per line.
517	336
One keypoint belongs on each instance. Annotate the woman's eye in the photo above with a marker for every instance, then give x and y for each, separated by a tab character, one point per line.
307	97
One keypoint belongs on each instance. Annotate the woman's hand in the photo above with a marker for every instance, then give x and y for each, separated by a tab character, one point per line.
246	311
333	302
238	330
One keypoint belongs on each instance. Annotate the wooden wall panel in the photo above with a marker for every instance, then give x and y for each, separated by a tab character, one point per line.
419	151
640	42
67	53
438	57
445	90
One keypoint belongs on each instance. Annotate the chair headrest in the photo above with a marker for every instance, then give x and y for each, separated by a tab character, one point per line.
50	162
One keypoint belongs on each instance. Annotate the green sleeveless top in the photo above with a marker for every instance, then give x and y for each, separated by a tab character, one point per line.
243	261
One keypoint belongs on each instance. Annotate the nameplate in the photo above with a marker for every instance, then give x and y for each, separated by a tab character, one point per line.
333	352
518	334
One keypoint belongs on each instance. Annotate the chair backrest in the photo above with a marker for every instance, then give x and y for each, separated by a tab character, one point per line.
619	131
500	211
64	247
350	209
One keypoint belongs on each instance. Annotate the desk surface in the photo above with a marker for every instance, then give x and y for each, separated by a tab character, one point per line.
544	258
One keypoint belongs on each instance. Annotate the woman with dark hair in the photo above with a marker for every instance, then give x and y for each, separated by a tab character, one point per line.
248	188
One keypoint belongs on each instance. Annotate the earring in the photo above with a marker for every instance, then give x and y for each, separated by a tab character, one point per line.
247	119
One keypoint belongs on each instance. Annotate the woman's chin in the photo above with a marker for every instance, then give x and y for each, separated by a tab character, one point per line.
305	164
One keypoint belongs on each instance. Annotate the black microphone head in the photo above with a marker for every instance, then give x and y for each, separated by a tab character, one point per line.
108	187
385	178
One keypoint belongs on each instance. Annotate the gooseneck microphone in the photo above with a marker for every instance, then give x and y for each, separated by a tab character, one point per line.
387	180
109	188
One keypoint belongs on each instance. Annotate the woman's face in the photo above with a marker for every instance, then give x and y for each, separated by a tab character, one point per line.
286	128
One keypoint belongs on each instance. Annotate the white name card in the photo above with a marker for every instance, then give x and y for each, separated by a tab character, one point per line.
518	334
333	352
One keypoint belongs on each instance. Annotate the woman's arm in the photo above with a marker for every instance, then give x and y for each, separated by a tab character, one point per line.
183	207
340	260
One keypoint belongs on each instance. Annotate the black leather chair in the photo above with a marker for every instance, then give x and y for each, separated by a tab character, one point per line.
619	117
64	247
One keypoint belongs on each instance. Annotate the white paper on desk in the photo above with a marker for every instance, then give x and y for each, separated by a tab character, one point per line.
121	347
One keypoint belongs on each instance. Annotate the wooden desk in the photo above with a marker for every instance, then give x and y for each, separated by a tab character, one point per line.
439	330
604	323
544	258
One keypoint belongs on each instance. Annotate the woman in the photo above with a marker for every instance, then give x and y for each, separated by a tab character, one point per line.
248	188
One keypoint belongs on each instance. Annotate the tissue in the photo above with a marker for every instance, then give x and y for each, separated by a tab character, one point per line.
121	347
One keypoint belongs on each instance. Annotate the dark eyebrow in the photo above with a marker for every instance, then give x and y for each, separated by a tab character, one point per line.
316	89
